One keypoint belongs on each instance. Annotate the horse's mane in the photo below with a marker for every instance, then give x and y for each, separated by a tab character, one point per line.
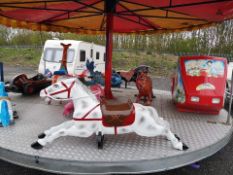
87	90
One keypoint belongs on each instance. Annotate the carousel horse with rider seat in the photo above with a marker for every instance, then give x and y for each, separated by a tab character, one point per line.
144	86
88	117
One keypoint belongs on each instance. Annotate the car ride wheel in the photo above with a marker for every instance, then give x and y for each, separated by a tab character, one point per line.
28	89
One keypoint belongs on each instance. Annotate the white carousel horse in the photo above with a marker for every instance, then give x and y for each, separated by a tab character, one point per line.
87	118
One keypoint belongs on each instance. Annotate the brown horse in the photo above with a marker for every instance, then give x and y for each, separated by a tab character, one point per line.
144	86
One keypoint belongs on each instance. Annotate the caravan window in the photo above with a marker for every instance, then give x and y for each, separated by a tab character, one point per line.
55	55
70	56
48	55
82	55
97	55
91	53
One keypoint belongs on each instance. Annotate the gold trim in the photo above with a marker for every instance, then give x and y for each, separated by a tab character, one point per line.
52	28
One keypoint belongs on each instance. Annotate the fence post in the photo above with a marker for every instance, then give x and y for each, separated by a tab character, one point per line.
228	122
1	72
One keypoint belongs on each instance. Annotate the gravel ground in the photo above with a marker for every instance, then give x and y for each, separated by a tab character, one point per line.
220	163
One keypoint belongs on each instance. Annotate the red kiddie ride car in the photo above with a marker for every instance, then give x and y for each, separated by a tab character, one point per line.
199	84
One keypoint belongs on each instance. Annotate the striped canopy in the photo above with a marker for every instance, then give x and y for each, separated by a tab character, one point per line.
130	16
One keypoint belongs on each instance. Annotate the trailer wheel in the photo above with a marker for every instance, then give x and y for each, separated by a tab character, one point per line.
100	140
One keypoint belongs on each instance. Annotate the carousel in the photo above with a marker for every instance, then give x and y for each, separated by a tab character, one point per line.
110	130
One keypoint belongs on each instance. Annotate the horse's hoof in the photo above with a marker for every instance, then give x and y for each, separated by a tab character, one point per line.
100	140
185	147
178	138
15	115
36	145
41	135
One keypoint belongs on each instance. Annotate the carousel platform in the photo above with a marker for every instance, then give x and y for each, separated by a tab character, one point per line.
122	153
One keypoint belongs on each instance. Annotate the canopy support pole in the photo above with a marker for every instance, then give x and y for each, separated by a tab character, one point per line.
110	8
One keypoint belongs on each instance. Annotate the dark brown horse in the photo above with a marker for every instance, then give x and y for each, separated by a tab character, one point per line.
144	86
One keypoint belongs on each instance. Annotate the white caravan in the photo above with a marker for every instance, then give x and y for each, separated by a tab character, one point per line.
77	55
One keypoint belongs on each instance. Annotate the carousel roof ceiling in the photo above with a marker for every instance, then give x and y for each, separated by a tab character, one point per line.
130	16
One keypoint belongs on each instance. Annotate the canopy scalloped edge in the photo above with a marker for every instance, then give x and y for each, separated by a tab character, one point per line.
51	28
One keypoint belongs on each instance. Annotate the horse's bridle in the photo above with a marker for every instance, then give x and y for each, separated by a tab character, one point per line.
67	89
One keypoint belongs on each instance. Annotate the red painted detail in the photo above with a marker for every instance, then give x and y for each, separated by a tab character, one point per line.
89	119
64	85
90	111
129	120
97	90
83	74
115	130
67	89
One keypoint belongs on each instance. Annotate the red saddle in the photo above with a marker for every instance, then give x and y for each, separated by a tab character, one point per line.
118	114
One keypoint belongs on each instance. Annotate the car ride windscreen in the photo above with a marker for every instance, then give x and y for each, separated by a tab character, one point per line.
204	67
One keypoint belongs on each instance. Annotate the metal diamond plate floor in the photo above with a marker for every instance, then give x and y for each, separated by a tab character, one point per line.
122	153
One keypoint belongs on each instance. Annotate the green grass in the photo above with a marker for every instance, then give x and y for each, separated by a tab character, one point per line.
22	56
163	65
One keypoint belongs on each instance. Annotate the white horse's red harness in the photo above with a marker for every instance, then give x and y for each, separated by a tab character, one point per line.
88	119
67	89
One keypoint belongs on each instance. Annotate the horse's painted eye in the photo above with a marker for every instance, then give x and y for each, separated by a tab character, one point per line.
56	86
